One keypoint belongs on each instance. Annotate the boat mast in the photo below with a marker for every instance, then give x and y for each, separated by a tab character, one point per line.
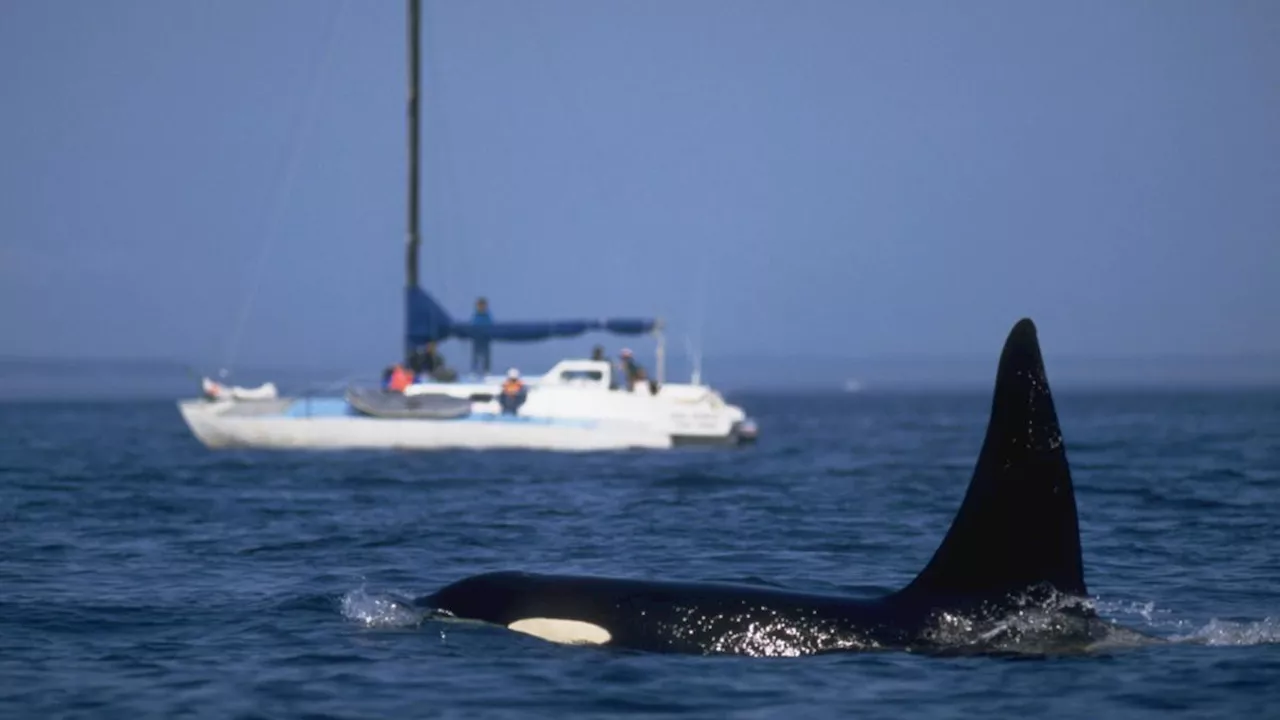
411	257
413	239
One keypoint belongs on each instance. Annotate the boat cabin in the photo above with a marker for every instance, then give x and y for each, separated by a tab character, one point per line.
578	373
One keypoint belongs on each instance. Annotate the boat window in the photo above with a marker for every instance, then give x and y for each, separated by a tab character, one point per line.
570	375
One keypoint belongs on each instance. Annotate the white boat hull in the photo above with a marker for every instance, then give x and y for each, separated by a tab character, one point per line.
572	407
232	427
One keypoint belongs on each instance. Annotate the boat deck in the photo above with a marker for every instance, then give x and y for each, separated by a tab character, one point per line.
336	407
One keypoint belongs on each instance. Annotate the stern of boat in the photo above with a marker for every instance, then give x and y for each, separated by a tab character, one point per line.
745	431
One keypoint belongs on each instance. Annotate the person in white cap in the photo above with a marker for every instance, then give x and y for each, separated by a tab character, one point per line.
513	393
632	372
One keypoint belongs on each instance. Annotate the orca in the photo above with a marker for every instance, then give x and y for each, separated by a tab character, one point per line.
1008	575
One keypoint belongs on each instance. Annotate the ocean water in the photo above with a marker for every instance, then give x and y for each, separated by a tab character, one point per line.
143	576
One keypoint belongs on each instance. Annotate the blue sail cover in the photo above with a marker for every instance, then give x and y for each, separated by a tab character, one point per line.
426	321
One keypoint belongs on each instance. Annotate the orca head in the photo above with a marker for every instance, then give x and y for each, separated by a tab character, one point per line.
518	601
496	598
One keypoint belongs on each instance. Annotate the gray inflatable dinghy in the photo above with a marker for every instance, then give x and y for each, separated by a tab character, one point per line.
379	403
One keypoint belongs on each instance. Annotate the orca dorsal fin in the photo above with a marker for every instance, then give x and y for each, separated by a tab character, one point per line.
1017	526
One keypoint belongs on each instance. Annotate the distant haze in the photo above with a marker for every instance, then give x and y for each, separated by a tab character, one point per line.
128	379
222	183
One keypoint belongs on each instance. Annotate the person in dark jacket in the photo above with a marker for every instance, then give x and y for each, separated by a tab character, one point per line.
632	371
428	362
480	346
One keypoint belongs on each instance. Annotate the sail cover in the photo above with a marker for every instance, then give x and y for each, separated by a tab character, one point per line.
426	321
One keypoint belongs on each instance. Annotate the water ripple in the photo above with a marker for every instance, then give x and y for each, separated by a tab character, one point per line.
143	575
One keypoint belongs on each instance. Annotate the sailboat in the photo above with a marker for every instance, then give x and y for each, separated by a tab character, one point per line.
578	405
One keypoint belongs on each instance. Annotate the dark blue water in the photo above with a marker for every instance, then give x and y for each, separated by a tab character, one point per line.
143	576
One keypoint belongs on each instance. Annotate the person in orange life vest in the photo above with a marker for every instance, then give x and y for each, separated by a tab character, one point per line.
513	393
397	378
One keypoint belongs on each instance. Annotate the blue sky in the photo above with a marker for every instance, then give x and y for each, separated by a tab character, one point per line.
832	178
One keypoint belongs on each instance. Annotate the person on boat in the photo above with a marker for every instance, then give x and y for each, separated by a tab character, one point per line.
480	346
513	394
422	359
597	354
632	371
428	362
211	390
396	378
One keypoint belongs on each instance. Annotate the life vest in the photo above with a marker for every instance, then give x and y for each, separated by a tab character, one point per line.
512	387
400	379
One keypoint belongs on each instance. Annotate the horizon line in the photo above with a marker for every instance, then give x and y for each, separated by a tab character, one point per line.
1262	355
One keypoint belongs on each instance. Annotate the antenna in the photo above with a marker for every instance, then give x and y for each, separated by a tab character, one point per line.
696	357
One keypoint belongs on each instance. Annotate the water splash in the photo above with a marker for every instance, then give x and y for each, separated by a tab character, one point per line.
1234	634
1227	633
1036	624
1061	623
1131	611
378	610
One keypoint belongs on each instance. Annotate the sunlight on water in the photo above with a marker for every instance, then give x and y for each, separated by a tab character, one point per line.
379	610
